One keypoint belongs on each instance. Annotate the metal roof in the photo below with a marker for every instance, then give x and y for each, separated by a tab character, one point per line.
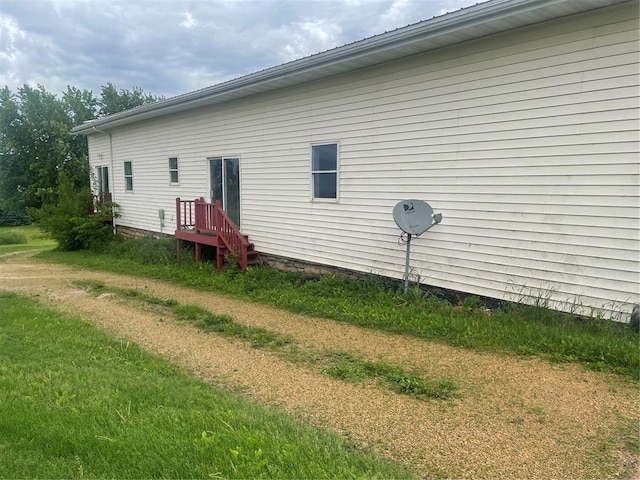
469	23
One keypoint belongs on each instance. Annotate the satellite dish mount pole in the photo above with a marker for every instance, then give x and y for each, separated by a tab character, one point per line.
406	266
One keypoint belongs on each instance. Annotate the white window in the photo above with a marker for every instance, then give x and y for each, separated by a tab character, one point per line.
128	177
324	171
173	170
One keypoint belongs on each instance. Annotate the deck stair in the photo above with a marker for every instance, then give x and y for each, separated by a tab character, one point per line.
203	223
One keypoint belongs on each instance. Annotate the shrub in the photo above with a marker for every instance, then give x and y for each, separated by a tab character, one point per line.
73	221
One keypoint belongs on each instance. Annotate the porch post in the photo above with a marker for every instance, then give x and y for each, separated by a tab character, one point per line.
178	215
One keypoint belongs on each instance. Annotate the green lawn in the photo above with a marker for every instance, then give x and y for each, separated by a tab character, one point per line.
30	238
76	403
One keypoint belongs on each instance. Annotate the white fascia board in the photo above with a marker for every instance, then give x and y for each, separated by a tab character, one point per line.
466	24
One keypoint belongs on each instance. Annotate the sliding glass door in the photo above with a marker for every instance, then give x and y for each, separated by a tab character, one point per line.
225	185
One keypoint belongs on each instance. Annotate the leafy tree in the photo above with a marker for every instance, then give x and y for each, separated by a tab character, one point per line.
35	145
80	105
9	116
44	169
113	100
13	219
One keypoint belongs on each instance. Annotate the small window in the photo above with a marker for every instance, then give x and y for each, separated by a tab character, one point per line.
324	171
128	177
173	170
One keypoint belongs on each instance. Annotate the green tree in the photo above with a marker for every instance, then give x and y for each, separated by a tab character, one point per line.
35	145
80	105
114	101
9	120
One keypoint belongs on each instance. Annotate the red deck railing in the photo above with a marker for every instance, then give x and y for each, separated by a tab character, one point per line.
210	220
205	217
231	236
185	214
100	199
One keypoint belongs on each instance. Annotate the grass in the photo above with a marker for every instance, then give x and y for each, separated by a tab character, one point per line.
222	324
337	364
77	403
345	366
12	237
17	239
513	328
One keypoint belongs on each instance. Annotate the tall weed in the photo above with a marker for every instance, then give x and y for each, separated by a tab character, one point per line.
12	237
144	251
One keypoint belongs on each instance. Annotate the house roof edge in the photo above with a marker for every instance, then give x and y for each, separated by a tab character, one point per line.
465	24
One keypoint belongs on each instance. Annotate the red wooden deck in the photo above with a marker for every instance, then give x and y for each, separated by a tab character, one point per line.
100	199
203	223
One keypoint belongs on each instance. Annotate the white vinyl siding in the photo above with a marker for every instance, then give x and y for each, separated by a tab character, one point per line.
101	172
526	142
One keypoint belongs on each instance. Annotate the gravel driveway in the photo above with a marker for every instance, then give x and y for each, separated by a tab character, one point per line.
517	417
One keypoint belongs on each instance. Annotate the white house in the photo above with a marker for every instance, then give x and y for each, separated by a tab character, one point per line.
518	120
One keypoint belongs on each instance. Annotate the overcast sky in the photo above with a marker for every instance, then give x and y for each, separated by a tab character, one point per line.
168	47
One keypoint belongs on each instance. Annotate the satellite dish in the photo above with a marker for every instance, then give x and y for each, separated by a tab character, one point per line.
413	216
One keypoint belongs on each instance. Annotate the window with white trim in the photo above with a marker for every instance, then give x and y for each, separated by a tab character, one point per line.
173	171
324	171
128	177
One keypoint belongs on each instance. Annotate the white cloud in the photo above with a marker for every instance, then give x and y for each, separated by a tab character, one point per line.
396	14
172	47
309	37
20	51
189	22
10	37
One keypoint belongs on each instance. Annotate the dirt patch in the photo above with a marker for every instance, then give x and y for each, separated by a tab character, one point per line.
517	418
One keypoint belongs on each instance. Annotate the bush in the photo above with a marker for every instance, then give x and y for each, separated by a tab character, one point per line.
12	237
13	219
73	221
146	250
